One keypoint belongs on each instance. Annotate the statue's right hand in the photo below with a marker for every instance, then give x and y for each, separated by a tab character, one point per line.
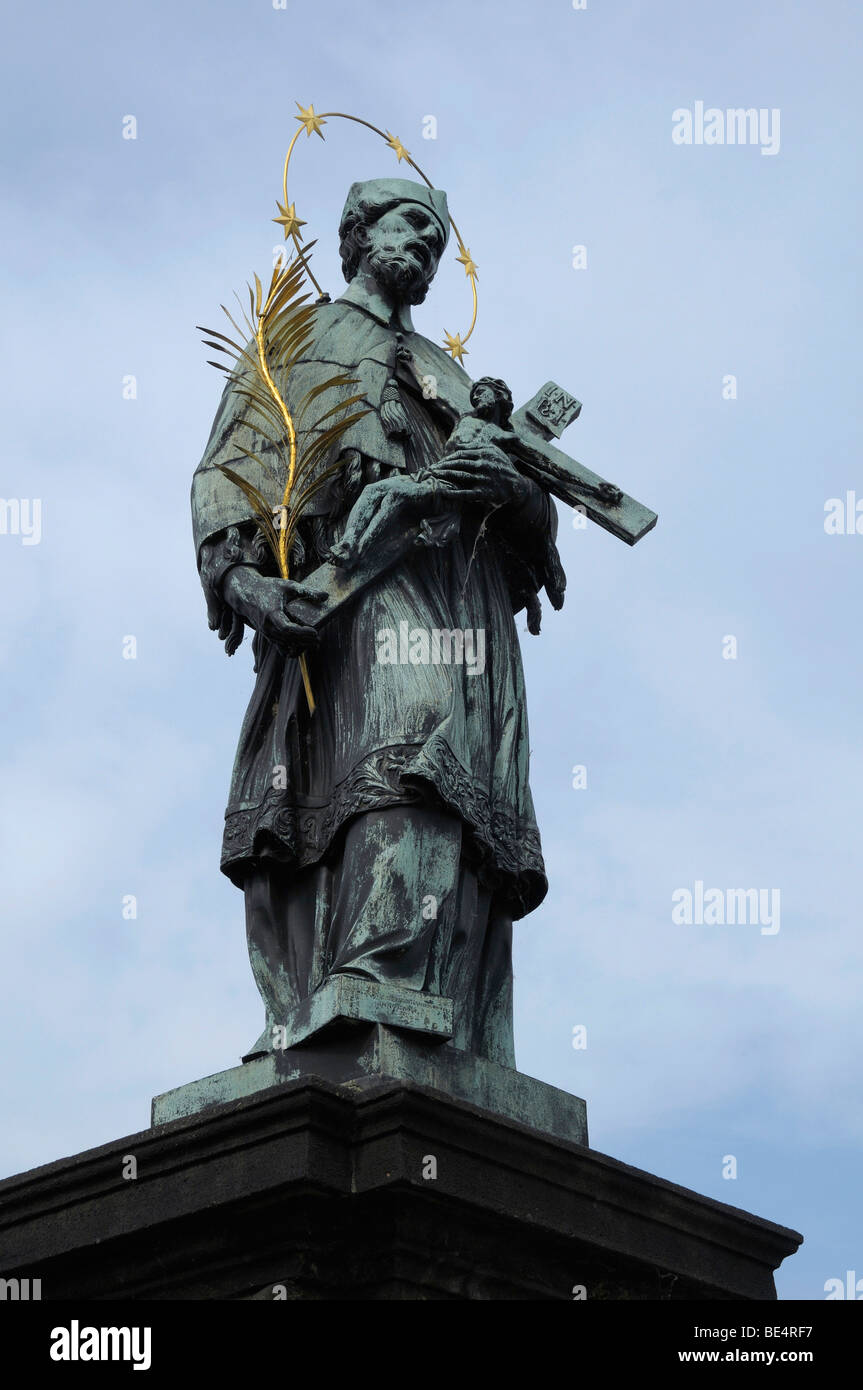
261	601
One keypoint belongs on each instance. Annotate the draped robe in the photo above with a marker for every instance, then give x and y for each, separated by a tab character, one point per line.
391	835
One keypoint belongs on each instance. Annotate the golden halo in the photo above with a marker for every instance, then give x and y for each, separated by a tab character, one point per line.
311	123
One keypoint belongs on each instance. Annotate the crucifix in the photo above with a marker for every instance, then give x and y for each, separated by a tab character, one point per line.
547	415
533	426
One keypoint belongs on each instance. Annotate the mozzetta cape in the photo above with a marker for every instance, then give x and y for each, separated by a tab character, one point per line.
382	734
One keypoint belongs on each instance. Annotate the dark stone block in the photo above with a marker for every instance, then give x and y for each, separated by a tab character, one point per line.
318	1187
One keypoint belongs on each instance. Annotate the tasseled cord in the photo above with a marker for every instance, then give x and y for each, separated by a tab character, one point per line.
393	414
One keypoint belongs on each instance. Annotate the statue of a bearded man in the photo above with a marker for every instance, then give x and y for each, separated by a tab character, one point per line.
390	835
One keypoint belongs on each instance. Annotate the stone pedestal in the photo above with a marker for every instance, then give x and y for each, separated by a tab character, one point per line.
357	1167
358	1052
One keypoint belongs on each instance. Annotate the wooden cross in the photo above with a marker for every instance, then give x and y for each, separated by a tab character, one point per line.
546	416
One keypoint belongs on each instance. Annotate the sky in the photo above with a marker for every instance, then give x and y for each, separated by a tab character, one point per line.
700	300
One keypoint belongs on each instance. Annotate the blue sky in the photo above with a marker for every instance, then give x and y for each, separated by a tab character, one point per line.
554	130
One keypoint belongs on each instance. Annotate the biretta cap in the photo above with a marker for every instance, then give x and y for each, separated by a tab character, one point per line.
379	194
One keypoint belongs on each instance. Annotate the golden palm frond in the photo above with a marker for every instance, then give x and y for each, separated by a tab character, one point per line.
279	331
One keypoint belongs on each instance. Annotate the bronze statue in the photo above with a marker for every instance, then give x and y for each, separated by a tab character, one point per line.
390	834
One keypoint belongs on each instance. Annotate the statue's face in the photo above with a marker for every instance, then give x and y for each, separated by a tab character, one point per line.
404	248
484	400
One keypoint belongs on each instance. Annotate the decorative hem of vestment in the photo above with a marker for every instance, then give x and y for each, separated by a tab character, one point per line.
505	849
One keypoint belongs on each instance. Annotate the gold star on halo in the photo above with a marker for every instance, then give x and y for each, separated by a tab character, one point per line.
395	144
454	345
311	122
467	261
289	219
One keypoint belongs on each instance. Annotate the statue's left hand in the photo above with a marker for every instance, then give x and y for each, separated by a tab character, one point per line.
483	475
262	600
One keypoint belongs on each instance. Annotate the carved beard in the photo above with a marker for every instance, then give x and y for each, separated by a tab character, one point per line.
401	273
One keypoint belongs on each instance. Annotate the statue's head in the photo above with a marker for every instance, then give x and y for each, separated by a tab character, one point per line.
492	400
397	230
